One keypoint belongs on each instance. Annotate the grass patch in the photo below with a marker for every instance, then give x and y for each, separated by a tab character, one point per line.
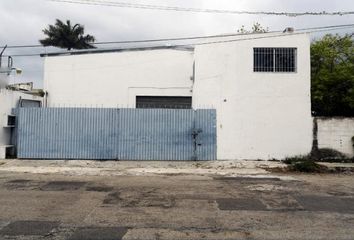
329	155
304	164
309	163
308	166
297	159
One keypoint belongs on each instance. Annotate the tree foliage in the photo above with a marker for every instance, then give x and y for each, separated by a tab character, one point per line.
332	75
256	28
64	35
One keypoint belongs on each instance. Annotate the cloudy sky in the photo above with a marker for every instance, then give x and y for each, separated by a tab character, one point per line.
21	22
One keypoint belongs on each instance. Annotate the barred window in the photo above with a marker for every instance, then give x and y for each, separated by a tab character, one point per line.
275	59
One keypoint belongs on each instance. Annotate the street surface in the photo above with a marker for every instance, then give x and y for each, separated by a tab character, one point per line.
67	205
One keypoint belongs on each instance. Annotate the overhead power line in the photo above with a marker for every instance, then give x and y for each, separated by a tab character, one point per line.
199	10
323	28
254	37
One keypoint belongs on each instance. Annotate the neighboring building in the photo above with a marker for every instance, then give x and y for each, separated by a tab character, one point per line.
26	87
17	95
8	101
5	69
259	84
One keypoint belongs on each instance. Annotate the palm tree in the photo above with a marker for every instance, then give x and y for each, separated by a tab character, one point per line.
64	35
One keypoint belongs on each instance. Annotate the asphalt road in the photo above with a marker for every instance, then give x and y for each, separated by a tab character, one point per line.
174	206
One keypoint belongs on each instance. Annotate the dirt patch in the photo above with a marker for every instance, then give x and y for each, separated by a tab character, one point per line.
247	204
340	193
194	197
266	188
160	202
326	203
22	184
280	202
139	199
99	189
18	181
246	179
112	198
29	228
99	233
62	186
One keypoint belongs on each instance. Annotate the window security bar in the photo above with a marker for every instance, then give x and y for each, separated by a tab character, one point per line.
275	60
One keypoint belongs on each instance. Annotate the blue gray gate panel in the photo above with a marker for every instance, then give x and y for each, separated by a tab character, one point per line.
116	134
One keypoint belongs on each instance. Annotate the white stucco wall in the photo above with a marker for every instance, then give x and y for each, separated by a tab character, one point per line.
336	133
9	100
115	79
259	115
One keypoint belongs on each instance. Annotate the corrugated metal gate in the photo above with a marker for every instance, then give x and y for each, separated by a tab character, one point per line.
123	134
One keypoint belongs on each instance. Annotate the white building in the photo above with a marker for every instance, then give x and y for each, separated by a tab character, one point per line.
259	84
9	100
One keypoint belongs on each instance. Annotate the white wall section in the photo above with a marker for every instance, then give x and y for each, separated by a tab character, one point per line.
260	115
336	133
114	79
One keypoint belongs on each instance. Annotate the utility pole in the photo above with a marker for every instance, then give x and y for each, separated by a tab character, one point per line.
3	50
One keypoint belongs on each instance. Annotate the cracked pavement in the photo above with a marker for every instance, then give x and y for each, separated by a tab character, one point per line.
73	206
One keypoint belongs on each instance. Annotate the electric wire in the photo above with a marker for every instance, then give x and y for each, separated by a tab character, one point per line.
190	38
199	10
302	31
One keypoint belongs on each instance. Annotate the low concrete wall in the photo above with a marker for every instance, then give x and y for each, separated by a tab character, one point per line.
8	100
336	133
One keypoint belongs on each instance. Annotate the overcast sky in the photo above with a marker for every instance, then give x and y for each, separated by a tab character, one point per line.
21	22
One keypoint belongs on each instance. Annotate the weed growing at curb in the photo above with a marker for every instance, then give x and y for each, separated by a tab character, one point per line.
307	166
309	163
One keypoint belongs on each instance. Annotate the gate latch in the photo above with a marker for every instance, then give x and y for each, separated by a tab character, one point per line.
196	132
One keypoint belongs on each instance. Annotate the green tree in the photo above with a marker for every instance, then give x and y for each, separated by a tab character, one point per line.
256	28
64	35
332	75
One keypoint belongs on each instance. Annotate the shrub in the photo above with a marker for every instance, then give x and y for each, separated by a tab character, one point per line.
328	155
307	166
296	159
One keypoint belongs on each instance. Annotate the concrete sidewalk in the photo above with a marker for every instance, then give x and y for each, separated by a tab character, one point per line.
337	165
139	168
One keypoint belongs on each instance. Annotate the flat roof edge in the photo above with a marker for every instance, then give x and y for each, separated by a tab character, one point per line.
97	51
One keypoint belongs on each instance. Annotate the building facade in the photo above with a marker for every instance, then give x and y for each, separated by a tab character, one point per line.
259	85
